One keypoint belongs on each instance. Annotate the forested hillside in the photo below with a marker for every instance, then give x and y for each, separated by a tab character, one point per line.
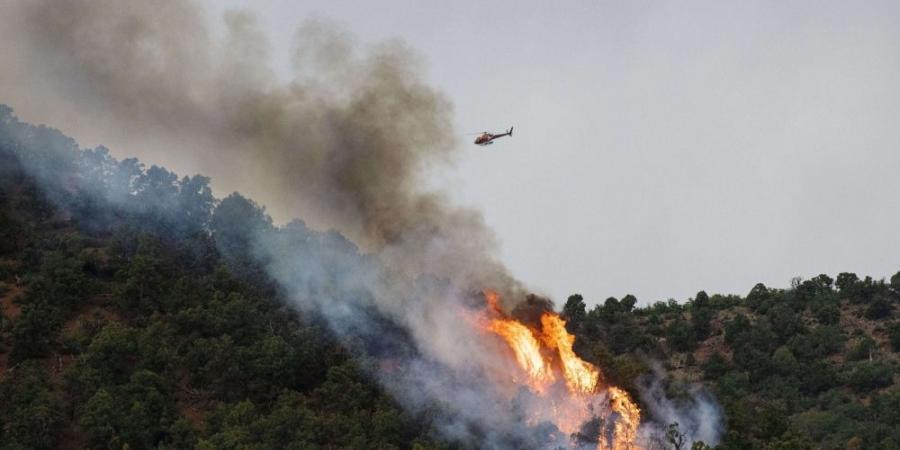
136	314
125	325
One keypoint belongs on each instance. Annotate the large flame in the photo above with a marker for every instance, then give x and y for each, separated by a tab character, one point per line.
580	375
545	356
625	429
526	348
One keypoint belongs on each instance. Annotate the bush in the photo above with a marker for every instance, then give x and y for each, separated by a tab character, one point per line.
880	308
828	314
894	336
866	376
680	336
864	349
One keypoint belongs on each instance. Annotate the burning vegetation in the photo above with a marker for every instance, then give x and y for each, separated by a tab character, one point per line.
347	154
570	391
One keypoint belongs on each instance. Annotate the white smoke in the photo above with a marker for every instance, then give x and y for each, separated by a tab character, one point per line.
698	415
346	145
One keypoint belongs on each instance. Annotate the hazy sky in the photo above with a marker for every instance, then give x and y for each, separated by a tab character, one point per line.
660	147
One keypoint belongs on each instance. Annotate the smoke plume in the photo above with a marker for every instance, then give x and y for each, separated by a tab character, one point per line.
346	144
698	415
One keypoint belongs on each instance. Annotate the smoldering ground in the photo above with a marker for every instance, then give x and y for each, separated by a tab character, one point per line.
346	144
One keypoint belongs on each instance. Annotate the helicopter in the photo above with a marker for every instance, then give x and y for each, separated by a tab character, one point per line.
486	138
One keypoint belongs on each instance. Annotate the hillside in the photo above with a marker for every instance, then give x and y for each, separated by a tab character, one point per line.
136	314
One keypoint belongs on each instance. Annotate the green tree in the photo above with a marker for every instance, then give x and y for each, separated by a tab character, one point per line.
30	412
847	283
575	311
701	322
680	336
136	414
879	308
758	296
865	348
715	366
828	314
34	331
701	300
895	283
628	302
894	336
866	376
144	280
113	352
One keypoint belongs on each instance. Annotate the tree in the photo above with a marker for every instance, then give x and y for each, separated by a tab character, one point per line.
864	349
235	221
112	353
827	340
894	336
785	322
715	366
30	412
785	362
574	311
195	204
136	414
701	300
674	436
700	321
880	308
828	314
34	332
628	303
680	336
866	376
847	283
758	296
895	283
611	305
735	328
144	280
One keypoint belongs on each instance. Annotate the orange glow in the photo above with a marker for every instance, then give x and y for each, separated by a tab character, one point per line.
580	375
526	348
546	356
625	431
493	301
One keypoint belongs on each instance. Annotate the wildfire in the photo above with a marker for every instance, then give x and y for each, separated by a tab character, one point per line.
581	376
526	348
545	355
625	430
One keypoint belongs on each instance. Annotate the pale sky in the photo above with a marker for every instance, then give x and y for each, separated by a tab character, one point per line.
660	148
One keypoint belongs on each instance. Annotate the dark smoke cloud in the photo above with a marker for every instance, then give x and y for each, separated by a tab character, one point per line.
345	144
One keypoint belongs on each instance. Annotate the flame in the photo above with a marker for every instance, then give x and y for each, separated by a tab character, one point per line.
625	428
580	376
526	348
493	301
546	356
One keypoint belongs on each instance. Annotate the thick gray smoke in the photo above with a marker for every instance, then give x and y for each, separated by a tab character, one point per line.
346	144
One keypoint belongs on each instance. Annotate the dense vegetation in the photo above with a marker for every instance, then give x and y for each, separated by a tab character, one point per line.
142	321
813	366
134	315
